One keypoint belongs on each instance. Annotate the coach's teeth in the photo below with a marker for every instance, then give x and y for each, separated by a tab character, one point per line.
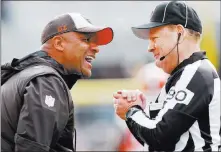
89	59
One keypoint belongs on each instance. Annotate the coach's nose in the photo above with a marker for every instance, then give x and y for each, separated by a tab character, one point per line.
94	47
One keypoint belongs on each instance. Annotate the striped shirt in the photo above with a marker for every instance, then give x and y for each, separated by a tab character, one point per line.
186	114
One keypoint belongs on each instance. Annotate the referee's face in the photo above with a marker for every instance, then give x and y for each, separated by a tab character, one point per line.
162	42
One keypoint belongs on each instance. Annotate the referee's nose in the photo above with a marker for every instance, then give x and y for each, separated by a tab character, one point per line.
151	46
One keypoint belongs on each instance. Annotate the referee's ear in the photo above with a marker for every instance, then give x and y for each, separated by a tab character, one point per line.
181	33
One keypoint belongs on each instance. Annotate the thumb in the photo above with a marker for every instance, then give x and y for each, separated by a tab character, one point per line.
143	99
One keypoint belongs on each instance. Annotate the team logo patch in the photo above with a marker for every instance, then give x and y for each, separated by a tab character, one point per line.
49	101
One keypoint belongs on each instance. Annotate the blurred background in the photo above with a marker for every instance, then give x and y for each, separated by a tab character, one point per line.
123	64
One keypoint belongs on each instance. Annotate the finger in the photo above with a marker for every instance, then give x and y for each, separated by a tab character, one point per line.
138	92
119	91
116	95
124	93
134	96
143	99
129	96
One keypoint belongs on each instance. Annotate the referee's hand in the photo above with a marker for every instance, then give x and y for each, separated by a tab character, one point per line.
125	99
131	96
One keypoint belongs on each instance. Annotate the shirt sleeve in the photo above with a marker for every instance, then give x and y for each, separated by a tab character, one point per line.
185	102
44	112
67	136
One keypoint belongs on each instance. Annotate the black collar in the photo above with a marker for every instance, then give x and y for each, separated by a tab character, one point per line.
193	58
41	57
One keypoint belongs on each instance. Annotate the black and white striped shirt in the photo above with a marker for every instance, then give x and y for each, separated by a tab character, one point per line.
186	114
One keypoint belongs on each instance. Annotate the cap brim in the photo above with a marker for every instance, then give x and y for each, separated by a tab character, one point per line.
104	35
142	31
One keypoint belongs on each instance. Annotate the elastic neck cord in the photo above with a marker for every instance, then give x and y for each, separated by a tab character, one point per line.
178	57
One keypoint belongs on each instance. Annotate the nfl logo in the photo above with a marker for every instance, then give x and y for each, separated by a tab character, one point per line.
49	101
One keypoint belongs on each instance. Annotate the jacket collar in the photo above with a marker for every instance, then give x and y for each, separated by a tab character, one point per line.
41	57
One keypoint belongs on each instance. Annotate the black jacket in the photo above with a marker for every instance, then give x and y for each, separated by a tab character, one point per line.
37	112
186	114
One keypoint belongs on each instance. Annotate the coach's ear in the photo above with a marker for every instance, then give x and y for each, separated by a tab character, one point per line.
58	43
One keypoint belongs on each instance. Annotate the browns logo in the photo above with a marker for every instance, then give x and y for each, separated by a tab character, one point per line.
62	28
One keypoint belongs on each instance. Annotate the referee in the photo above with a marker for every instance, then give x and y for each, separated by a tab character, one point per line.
186	114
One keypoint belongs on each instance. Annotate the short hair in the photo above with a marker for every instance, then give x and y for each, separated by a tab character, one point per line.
196	35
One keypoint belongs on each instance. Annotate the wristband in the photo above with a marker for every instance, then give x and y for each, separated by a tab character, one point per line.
132	111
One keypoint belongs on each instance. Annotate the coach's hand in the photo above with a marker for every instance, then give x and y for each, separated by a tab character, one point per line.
125	99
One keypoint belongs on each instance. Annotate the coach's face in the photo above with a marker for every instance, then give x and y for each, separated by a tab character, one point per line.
161	41
79	50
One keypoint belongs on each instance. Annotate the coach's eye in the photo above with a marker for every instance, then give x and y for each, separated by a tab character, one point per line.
86	40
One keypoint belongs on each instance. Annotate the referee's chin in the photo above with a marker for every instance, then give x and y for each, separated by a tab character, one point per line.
159	64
